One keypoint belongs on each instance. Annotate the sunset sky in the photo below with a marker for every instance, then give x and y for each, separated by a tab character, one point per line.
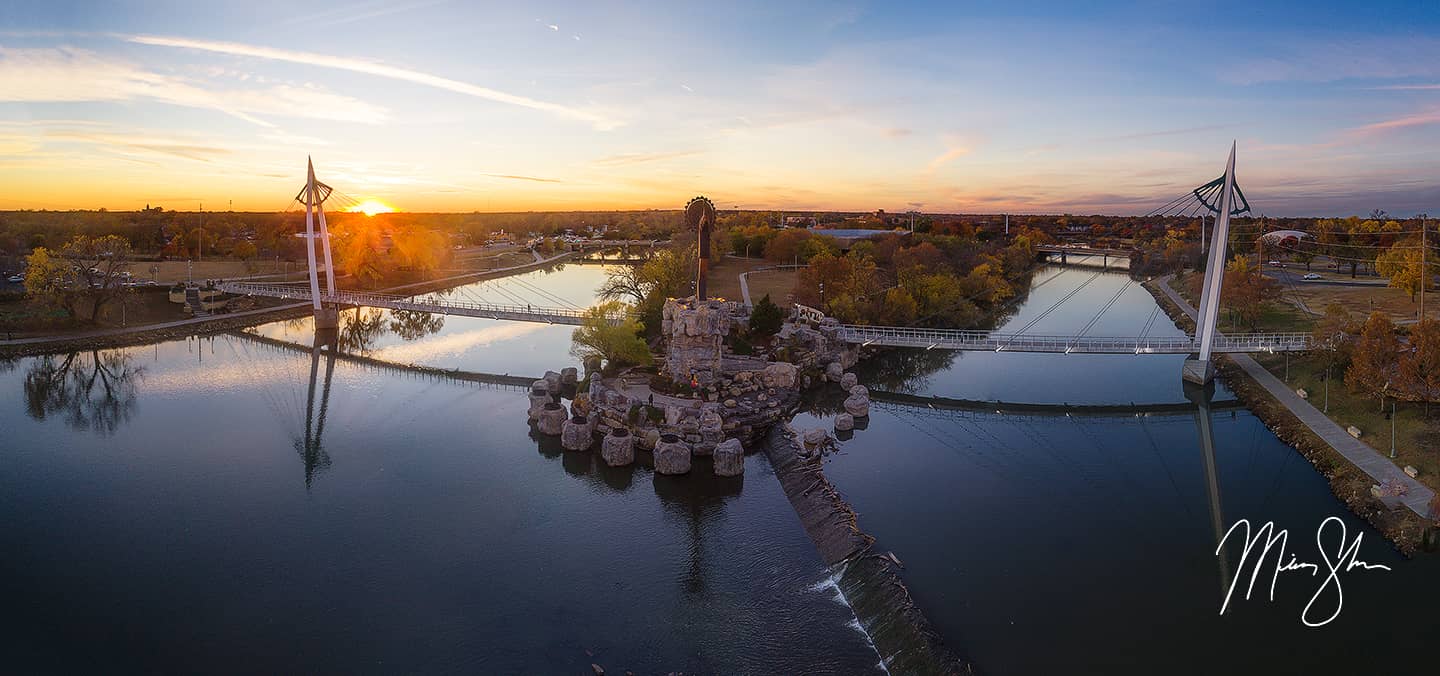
992	107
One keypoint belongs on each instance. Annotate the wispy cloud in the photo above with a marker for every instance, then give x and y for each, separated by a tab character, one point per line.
639	158
65	74
379	70
1409	87
516	177
1426	117
945	158
175	147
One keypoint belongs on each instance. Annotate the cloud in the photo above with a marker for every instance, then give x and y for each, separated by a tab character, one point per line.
66	74
686	87
946	158
897	132
1413	87
176	147
515	177
639	158
1427	117
378	70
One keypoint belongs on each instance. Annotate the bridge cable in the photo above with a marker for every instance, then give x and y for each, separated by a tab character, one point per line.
1103	309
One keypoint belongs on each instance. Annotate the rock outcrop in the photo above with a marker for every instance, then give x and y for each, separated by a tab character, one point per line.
552	419
730	458
618	448
576	434
672	455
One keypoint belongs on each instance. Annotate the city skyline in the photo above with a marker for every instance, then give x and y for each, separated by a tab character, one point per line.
443	106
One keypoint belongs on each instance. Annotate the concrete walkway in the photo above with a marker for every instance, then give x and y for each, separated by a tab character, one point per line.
1370	461
745	283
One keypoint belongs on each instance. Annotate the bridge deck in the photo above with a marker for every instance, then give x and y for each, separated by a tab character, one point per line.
954	339
521	313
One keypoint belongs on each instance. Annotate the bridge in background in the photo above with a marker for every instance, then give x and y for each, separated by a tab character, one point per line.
955	339
459	308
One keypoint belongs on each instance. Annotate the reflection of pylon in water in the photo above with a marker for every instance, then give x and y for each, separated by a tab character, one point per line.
310	448
1200	395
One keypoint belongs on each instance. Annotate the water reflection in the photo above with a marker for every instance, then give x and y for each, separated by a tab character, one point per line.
310	446
362	328
92	390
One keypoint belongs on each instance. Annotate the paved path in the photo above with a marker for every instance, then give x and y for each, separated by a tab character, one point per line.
745	283
1359	453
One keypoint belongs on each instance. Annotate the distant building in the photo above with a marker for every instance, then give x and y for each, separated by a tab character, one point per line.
847	237
800	222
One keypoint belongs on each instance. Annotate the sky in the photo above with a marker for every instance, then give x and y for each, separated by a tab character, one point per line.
988	107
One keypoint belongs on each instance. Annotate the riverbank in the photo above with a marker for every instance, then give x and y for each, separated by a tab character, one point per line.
869	580
1348	482
215	324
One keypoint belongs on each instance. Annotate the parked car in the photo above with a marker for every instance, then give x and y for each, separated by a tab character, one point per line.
1312	275
15	279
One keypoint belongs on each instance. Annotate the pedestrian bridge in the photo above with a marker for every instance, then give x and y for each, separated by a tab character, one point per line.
955	339
459	308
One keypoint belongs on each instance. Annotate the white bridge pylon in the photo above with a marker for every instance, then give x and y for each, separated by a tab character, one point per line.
314	195
1200	370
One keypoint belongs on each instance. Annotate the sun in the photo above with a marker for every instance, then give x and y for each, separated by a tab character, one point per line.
371	207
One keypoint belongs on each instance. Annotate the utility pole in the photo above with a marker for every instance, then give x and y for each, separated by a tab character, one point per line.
1424	270
201	254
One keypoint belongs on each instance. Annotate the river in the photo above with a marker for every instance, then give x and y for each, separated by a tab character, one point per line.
232	504
1042	544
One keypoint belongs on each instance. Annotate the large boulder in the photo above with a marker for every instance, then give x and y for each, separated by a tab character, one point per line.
576	434
569	376
672	455
814	437
729	458
858	391
844	422
781	374
552	419
539	397
618	448
834	371
857	405
552	381
848	380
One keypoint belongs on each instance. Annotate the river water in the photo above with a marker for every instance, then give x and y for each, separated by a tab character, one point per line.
1043	544
241	504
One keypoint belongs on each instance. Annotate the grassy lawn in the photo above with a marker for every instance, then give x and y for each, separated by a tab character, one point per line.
724	280
1417	438
1362	300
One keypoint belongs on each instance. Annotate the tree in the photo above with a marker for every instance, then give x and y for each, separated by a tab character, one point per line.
1247	292
49	281
1401	263
1418	372
766	318
1334	337
1372	368
617	342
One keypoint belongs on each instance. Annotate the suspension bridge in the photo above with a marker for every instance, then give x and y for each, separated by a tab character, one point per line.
1221	196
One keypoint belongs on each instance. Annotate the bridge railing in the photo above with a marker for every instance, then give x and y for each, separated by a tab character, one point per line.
965	339
399	302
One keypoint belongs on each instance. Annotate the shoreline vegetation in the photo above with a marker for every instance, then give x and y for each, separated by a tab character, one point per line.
216	324
1402	527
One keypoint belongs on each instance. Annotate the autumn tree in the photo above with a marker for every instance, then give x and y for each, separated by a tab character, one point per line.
1418	371
617	342
1372	368
1334	337
1247	292
1401	263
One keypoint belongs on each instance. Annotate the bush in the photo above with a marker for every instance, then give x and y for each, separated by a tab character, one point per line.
766	318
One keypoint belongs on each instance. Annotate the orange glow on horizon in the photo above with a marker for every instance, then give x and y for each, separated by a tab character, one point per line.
371	207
